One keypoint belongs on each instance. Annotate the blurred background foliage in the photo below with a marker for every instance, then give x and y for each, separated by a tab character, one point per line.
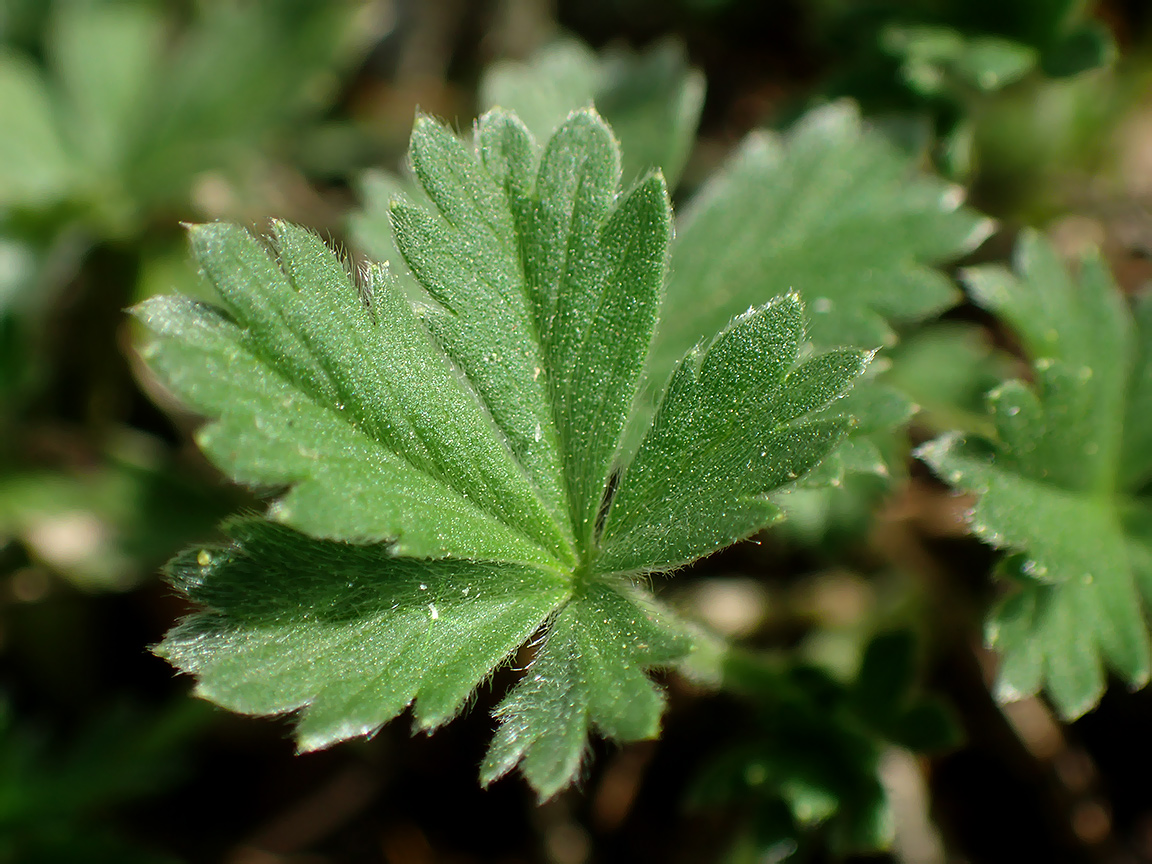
119	119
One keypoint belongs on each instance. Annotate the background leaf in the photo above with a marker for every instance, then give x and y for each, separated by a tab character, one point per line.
651	99
790	790
35	166
1052	483
832	211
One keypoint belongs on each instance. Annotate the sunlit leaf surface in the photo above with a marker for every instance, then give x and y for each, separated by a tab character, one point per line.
450	464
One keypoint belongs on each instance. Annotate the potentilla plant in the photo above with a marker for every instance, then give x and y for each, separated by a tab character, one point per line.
500	445
457	480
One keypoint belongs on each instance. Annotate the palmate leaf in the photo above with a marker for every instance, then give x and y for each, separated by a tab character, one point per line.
122	114
448	462
1064	481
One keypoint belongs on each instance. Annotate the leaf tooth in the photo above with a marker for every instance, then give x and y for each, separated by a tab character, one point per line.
952	196
1006	692
981	231
311	742
1032	567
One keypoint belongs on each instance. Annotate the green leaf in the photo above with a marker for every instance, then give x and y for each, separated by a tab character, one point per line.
1087	46
922	43
947	368
935	58
838	500
836	213
1063	480
371	226
134	102
63	795
990	63
652	99
590	673
558	79
106	58
594	264
350	634
884	695
367	452
450	462
832	211
810	760
238	73
35	167
878	410
681	498
1136	449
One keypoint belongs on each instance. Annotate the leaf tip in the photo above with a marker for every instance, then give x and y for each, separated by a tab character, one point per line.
497	117
1006	692
278	511
1072	709
953	196
163	650
656	178
935	451
312	741
1139	679
203	229
984	228
424	122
